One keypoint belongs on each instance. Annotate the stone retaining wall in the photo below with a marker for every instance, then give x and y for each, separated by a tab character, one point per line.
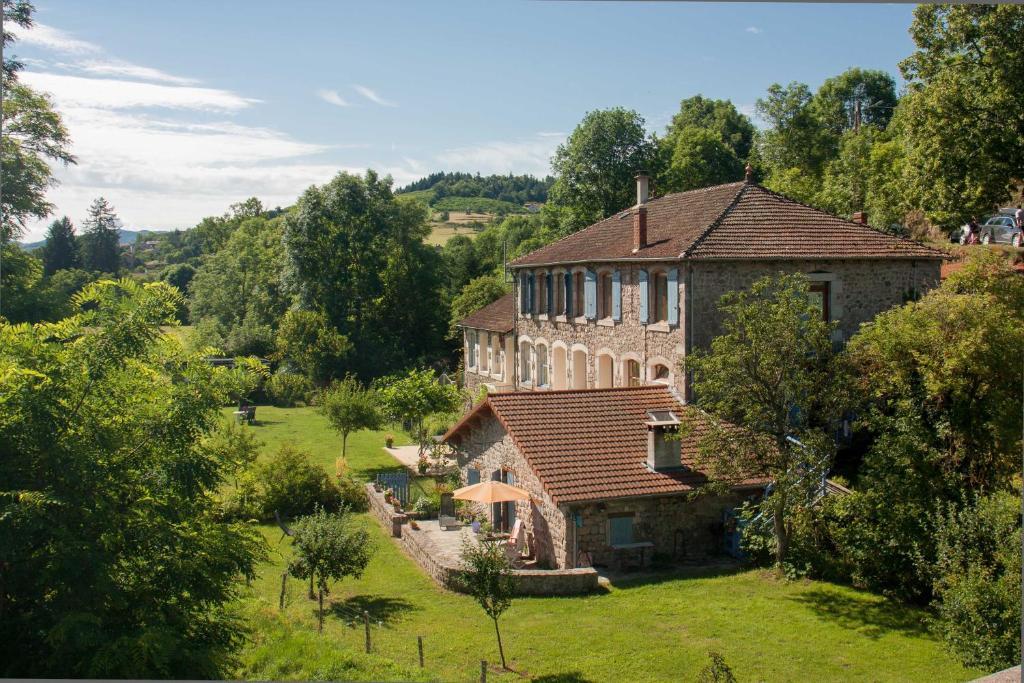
446	573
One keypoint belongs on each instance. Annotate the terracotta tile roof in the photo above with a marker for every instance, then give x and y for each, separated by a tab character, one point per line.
591	444
498	316
734	221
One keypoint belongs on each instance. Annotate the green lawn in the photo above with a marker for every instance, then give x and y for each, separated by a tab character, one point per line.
766	629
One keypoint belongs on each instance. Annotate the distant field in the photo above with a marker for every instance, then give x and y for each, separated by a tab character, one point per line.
425	196
477	205
442	232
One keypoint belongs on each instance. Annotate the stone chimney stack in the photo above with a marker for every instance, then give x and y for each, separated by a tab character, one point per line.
640	212
860	217
748	173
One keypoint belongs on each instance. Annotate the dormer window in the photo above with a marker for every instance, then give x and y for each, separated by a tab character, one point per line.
662	442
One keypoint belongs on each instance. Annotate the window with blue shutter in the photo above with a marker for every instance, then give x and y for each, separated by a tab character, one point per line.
473	476
531	298
643	296
568	294
524	291
550	310
620	530
590	295
617	296
673	296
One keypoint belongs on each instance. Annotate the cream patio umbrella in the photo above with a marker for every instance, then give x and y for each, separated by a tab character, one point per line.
491	492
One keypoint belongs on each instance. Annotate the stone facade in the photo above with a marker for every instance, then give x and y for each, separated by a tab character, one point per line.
587	353
490	450
490	361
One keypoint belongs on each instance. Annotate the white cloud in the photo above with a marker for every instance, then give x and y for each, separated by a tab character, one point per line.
523	156
373	96
551	135
106	93
753	29
52	38
128	70
332	97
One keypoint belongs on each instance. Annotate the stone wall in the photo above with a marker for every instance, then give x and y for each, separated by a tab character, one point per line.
860	289
488	448
684	529
447	572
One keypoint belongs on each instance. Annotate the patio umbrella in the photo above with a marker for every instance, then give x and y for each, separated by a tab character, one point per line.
491	492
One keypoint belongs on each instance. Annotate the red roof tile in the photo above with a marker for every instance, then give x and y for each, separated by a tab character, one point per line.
734	221
592	444
498	316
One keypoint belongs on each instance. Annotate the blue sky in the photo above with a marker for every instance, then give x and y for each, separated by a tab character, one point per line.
176	110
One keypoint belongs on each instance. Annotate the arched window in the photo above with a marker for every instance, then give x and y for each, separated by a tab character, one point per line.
660	373
632	373
542	365
525	375
605	372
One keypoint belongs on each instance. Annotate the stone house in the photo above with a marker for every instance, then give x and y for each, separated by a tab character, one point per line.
607	487
622	302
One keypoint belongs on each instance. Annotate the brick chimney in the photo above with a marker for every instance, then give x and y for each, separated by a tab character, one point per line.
748	173
640	212
860	217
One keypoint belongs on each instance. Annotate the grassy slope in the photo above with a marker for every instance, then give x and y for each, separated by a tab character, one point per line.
647	630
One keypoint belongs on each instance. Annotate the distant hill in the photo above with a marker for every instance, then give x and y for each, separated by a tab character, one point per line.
497	193
127	237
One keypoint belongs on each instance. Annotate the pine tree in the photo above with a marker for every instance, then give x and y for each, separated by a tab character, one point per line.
61	249
101	239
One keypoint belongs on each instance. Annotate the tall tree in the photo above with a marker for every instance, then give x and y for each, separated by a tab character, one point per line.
357	255
720	117
101	240
595	167
61	249
33	136
477	294
113	560
700	158
771	373
855	98
963	119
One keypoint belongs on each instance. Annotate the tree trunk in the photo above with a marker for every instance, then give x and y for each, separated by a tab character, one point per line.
320	625
344	445
311	595
781	533
501	650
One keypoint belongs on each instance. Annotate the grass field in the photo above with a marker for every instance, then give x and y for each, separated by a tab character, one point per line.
650	629
442	232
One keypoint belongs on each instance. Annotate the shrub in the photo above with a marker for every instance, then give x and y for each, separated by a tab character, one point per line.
353	494
292	485
978	582
286	390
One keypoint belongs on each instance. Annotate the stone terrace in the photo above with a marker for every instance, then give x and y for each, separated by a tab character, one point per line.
438	552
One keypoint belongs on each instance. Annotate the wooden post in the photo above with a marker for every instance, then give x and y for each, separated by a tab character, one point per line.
284	583
366	623
483	671
419	644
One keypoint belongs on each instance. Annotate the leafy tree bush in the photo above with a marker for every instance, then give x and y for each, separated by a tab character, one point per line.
308	339
286	389
350	407
289	483
415	396
113	563
329	547
474	296
978	581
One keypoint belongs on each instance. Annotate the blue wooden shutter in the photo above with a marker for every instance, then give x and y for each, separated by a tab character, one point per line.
590	294
524	291
617	296
643	296
473	476
620	530
568	295
673	296
550	310
533	291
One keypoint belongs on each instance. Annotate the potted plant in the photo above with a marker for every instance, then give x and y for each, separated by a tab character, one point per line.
413	524
388	495
389	440
422	465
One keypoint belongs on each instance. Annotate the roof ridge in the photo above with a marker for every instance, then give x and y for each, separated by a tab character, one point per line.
571	234
718	220
593	390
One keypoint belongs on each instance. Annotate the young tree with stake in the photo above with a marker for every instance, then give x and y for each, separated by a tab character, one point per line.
488	578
